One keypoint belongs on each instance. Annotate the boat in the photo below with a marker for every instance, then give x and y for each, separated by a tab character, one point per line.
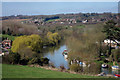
117	75
84	65
65	52
66	56
104	66
115	67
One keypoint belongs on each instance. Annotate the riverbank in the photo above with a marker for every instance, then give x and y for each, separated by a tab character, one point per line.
19	71
35	71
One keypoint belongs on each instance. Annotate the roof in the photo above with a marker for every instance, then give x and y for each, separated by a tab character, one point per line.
108	41
6	41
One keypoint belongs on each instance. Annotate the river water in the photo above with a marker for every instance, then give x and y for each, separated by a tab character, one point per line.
55	56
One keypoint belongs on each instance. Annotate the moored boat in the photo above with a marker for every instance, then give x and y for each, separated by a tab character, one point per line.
65	54
104	66
115	67
117	75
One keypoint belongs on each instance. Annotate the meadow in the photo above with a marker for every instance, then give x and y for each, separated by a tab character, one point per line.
18	71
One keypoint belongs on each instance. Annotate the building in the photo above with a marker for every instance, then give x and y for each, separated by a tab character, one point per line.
114	44
7	44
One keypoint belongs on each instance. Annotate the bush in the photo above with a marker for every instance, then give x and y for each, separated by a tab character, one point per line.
40	61
75	67
62	68
45	60
24	61
12	58
116	54
33	61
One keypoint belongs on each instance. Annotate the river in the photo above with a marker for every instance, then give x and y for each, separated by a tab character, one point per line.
55	56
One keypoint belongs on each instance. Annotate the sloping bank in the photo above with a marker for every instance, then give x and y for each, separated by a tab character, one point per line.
18	71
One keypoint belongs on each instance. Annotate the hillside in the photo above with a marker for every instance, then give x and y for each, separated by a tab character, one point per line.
17	71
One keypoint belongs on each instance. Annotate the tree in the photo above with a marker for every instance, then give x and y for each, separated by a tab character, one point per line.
12	58
33	42
8	31
112	32
53	38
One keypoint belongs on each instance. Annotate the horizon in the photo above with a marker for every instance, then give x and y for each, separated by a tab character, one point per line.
59	14
54	8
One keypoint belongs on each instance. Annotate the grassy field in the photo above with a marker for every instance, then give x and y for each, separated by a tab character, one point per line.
0	70
17	71
7	36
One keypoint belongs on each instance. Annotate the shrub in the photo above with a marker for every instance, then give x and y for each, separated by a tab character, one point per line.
33	61
45	60
116	54
62	68
12	58
24	61
75	67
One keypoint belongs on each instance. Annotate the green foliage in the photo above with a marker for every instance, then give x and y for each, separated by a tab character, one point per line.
110	29
12	58
80	26
45	60
7	36
37	60
75	67
15	58
116	55
34	61
111	58
33	42
24	61
112	32
85	43
53	38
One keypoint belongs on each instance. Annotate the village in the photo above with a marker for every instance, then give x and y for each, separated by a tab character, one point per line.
79	43
6	44
66	21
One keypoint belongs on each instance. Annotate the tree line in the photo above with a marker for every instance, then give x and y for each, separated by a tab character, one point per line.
28	49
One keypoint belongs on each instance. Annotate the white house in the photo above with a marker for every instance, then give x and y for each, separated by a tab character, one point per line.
107	41
113	43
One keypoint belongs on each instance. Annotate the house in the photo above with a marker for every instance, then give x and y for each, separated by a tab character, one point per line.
114	43
7	44
84	21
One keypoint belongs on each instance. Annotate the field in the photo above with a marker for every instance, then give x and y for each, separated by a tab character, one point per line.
17	71
8	36
18	20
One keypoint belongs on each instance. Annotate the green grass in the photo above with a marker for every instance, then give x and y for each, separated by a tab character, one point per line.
52	20
7	36
0	70
99	62
80	26
18	71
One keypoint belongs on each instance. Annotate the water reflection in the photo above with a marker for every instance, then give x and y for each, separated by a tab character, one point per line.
110	71
56	57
